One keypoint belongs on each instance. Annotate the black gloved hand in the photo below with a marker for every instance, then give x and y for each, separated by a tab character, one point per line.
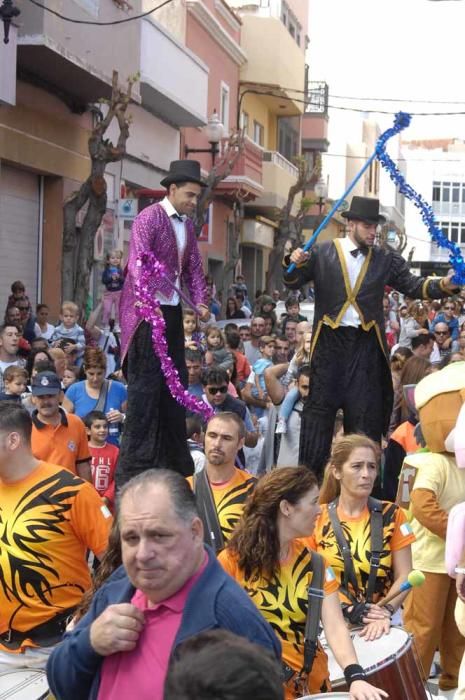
355	613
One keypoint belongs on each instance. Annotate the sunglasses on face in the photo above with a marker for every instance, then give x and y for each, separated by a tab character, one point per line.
441	332
214	390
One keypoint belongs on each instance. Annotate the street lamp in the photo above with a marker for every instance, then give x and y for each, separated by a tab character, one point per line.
214	131
7	13
321	191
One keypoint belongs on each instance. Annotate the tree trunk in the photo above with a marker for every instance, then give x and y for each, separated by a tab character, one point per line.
78	246
71	209
85	256
234	237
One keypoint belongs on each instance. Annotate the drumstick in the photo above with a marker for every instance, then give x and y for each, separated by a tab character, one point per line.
415	578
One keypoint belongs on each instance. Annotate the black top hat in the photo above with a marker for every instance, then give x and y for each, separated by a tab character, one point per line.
183	171
364	209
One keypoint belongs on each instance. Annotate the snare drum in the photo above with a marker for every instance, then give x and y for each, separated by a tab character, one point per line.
24	684
389	663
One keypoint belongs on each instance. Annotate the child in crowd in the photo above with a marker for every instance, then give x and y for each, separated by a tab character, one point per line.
267	346
69	329
14	382
195	440
194	339
44	329
234	343
104	456
292	312
113	280
301	357
18	291
216	347
70	376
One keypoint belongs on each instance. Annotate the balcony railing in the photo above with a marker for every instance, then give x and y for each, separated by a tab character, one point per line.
282	162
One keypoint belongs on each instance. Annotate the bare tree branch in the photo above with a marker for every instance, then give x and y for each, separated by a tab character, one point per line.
224	166
290	225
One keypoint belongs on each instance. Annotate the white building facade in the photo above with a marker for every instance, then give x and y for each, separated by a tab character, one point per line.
436	170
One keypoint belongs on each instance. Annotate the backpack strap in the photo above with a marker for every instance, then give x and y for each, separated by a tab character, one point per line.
376	530
213	534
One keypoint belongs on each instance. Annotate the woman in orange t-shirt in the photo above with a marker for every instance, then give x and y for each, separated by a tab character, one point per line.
349	479
269	560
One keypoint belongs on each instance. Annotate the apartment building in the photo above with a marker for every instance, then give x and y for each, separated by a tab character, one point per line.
436	169
270	108
63	68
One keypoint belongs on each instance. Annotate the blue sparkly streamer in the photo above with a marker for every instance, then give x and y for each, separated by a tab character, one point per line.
399	124
402	120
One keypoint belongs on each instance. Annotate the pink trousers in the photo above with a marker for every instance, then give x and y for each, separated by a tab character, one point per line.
110	298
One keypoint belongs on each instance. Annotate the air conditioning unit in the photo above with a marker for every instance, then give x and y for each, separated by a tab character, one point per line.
127	208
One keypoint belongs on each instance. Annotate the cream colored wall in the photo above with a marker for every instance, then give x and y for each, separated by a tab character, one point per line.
40	134
172	16
273	56
258	111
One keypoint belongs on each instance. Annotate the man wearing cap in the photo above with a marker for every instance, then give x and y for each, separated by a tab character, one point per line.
155	431
57	437
350	359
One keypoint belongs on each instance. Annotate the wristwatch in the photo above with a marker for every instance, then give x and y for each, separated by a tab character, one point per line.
389	608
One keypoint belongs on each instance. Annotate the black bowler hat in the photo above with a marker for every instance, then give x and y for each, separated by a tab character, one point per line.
364	209
183	171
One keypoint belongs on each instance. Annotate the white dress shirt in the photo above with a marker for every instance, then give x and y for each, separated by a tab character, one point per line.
180	233
354	265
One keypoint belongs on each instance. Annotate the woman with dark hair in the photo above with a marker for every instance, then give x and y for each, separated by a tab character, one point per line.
269	559
233	309
36	356
376	533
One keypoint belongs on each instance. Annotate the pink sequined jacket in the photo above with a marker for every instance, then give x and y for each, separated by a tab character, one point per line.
152	231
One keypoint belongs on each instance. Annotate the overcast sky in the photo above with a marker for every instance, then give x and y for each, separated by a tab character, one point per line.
408	49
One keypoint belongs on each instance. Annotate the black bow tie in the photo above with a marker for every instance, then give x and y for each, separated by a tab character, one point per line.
359	251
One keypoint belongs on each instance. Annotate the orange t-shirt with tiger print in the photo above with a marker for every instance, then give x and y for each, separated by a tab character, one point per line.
230	497
283	602
48	521
397	534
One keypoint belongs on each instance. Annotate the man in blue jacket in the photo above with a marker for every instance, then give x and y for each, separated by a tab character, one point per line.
169	588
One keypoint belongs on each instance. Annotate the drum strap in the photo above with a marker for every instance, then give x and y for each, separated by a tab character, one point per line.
376	535
312	624
213	534
315	602
376	527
